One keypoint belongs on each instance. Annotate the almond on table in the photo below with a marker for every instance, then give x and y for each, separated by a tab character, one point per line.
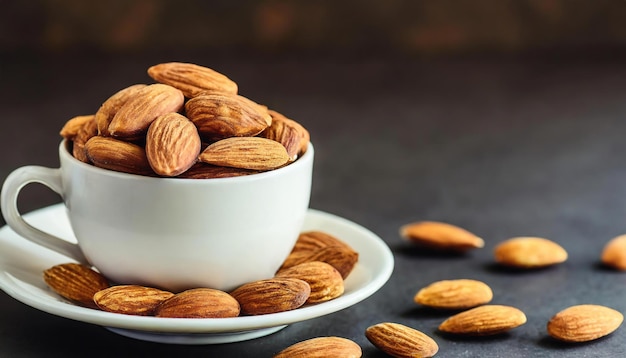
399	340
583	323
441	236
454	294
529	252
484	320
614	253
322	347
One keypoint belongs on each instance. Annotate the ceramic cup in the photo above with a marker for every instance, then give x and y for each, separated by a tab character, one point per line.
167	232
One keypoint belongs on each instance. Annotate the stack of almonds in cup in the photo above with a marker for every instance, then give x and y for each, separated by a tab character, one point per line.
313	273
192	123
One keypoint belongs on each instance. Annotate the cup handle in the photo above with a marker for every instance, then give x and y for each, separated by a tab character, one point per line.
11	188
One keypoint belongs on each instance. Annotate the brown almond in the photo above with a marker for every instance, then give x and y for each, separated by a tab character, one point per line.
322	347
311	241
133	118
398	340
218	116
84	134
76	282
484	320
583	323
454	294
271	295
199	303
341	258
113	154
109	108
614	253
246	152
131	299
73	126
207	171
325	281
529	252
441	236
172	144
291	134
192	79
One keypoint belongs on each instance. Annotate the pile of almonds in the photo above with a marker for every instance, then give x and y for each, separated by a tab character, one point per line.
192	123
314	272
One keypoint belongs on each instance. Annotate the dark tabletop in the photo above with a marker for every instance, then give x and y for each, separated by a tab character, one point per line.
502	146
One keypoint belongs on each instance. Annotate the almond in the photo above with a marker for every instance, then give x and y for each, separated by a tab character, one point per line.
322	347
583	323
220	116
311	241
87	131
398	340
109	108
271	295
341	258
130	299
199	303
325	281
207	171
133	118
73	126
484	320
76	282
113	154
191	79
246	152
172	144
293	136
441	236
614	253
529	252
454	294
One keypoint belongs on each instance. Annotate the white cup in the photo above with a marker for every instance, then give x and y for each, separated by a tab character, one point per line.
171	233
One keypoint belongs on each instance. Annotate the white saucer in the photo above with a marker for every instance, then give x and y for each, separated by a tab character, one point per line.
21	276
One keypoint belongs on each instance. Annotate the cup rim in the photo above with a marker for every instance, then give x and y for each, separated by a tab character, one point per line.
65	154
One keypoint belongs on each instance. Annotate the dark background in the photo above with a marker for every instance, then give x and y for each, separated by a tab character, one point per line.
503	117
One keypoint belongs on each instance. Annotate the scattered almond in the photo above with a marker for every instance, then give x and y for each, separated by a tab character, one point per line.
529	252
583	323
614	253
271	295
454	294
401	341
199	303
130	299
322	347
76	282
441	236
325	281
484	320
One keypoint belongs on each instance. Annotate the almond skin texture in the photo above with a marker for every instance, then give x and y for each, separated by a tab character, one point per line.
325	281
440	236
172	144
218	116
75	282
583	323
271	295
191	79
130	299
109	108
132	120
454	294
246	153
291	134
529	252
199	303
207	171
114	154
341	258
484	321
322	347
398	340
614	253
73	125
87	131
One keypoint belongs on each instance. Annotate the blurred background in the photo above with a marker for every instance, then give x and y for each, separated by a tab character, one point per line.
413	27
